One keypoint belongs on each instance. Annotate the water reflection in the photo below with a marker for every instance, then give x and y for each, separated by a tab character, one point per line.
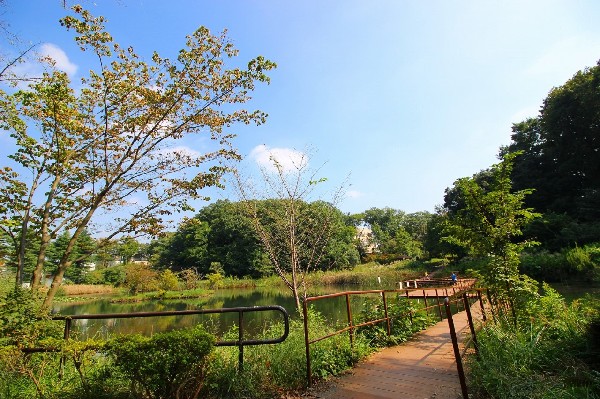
333	309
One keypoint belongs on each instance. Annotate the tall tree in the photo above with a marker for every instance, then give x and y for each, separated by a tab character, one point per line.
106	151
232	240
294	234
80	255
127	248
560	159
395	232
489	222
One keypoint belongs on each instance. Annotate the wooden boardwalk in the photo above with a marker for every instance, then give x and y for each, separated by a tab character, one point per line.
422	368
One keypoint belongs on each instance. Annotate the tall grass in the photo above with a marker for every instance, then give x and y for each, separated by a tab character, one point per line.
549	356
269	370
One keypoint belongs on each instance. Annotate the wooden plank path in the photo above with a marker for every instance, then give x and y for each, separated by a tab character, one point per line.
421	368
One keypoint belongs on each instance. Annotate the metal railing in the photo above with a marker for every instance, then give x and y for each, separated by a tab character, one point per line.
432	294
466	300
240	342
351	326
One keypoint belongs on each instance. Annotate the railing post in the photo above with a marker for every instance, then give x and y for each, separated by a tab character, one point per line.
350	325
471	324
387	318
307	343
410	315
425	300
241	340
459	365
481	305
439	305
66	336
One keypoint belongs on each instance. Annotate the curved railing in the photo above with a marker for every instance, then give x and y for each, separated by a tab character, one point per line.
240	342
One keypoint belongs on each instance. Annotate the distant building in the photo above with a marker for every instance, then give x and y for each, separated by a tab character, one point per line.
365	237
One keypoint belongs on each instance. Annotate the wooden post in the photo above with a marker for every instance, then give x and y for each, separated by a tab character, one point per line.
459	365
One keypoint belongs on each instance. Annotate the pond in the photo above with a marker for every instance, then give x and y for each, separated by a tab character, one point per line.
333	309
572	291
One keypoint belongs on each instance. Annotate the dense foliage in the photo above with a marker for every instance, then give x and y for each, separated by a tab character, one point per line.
166	365
560	161
223	233
103	154
552	354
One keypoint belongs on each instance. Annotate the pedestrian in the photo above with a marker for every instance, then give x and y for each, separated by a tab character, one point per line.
453	277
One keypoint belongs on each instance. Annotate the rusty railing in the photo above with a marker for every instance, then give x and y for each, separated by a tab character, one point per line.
435	295
240	342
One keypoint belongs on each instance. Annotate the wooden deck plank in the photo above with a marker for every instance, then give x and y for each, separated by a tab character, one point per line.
423	367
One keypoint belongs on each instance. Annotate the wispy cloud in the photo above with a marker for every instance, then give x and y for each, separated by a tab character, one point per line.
32	67
181	150
60	58
288	158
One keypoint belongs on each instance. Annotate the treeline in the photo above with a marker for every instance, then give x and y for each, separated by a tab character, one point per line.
221	238
555	158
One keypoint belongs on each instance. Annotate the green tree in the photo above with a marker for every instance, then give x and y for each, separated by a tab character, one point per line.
105	254
560	159
232	240
489	223
184	249
127	248
96	151
390	229
80	255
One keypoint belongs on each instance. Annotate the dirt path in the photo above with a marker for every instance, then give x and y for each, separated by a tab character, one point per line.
422	368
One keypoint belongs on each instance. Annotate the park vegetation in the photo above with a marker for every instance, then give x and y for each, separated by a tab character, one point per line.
87	155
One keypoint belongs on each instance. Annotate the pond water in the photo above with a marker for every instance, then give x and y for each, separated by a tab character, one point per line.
575	291
333	309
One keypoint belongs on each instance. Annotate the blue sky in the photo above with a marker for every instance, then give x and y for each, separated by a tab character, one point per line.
404	97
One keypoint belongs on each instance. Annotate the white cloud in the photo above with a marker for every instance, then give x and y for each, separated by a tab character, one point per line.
183	150
60	58
288	158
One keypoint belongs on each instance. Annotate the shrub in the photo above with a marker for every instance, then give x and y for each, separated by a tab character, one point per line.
544	265
190	278
579	260
215	280
168	281
541	358
114	275
166	365
406	316
140	278
23	321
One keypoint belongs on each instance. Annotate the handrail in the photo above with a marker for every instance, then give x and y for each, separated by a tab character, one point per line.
240	342
351	327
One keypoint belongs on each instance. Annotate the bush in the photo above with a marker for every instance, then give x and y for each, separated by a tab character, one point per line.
140	278
215	280
168	281
407	318
269	369
543	357
23	321
166	365
544	265
579	260
114	275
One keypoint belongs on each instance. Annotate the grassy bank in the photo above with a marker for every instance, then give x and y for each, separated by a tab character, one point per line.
367	275
552	352
115	368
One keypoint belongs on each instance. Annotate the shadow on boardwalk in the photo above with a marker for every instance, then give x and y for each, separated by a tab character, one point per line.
421	368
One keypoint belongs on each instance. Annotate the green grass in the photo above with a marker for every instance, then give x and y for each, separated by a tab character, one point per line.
554	354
